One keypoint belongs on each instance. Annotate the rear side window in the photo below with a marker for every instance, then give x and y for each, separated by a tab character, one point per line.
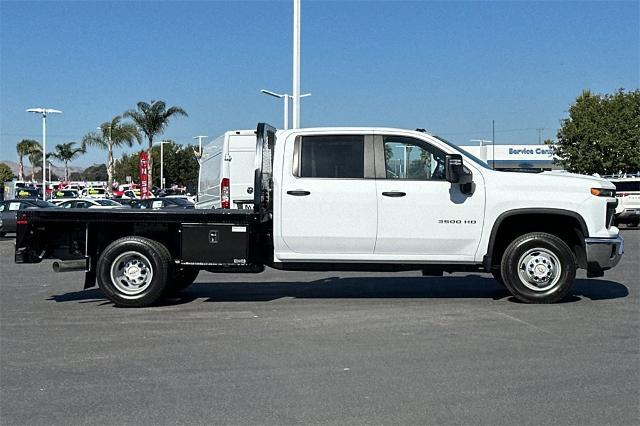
340	157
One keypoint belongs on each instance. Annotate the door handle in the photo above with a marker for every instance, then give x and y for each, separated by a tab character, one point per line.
394	194
299	193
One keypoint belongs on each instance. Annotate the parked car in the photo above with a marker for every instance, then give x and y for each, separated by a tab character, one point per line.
120	192
62	195
628	195
89	203
188	197
26	193
93	192
131	194
131	202
165	203
9	210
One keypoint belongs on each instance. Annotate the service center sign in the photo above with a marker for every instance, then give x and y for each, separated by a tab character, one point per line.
144	175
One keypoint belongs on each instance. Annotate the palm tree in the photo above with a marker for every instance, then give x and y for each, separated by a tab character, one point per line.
112	134
152	119
22	148
34	152
66	152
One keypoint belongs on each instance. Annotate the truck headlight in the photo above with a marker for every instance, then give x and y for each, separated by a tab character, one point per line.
601	192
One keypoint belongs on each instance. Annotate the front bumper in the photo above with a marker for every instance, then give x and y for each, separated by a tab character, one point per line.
603	254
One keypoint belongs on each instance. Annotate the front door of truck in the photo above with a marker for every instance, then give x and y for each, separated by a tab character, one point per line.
328	197
419	212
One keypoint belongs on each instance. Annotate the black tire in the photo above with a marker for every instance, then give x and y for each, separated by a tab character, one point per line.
530	264
2	234
147	258
181	278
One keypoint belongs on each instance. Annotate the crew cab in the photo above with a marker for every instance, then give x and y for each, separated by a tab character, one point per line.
369	199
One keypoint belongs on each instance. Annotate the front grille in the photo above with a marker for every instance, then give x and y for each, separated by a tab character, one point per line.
611	209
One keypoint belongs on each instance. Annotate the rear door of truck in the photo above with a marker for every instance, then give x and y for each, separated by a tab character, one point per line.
329	195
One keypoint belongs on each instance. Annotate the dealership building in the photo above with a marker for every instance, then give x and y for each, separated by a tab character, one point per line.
510	157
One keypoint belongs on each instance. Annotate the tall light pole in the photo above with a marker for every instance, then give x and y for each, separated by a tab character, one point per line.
162	163
44	112
200	144
296	64
285	97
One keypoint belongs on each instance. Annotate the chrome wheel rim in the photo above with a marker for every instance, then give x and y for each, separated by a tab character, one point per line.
539	269
131	274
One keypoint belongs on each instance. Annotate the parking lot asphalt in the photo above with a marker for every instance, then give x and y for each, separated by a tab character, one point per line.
320	348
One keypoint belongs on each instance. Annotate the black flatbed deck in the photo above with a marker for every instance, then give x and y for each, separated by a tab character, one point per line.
54	214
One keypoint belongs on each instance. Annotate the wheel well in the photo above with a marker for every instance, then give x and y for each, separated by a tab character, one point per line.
567	227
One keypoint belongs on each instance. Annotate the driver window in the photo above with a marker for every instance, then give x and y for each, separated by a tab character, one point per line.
408	158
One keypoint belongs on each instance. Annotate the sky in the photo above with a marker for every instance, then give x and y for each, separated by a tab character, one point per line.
449	67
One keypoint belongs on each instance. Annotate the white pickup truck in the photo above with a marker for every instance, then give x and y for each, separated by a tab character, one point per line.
370	199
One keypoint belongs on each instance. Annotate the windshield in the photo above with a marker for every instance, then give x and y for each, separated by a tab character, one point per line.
106	202
475	159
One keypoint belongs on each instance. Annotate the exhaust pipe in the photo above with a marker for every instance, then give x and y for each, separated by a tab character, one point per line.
70	265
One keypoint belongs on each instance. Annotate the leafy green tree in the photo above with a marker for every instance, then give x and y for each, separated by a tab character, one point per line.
152	119
602	134
75	176
180	165
67	152
34	154
127	166
6	175
37	161
22	148
113	134
97	172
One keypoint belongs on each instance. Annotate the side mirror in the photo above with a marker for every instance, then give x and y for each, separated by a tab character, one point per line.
455	172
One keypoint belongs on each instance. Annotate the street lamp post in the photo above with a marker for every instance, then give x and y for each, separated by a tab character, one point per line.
162	161
200	144
285	97
44	112
296	64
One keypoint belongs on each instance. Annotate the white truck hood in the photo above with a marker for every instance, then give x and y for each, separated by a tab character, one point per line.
595	180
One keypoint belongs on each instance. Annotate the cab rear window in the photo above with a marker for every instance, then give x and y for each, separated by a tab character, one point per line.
340	156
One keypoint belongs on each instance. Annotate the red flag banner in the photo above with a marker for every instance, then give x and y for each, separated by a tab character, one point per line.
144	175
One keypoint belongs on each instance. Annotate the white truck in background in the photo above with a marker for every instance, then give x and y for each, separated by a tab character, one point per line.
226	171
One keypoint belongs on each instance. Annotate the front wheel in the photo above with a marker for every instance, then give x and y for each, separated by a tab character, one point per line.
133	271
538	268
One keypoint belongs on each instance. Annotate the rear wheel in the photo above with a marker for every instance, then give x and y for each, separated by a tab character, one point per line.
2	234
133	271
538	268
